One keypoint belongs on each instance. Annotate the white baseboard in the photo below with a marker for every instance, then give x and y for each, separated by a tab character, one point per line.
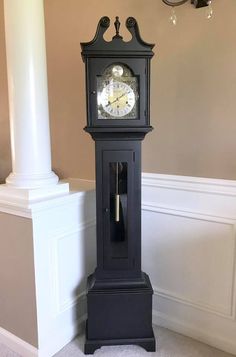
192	331
17	345
24	349
61	337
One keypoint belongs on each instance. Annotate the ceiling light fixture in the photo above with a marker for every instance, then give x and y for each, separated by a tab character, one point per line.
196	3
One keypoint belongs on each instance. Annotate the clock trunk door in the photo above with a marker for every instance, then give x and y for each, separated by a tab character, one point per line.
118	169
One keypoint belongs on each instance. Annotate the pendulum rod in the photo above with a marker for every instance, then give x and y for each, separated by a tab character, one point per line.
117	196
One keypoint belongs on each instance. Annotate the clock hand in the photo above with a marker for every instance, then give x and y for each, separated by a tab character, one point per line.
122	95
117	99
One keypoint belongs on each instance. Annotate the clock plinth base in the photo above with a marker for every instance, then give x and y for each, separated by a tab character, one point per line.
119	313
149	344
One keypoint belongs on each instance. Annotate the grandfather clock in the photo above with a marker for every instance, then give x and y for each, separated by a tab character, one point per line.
119	294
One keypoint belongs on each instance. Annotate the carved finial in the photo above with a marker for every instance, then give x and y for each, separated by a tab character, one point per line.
117	27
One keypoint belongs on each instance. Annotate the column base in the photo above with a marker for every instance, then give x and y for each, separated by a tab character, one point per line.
25	202
24	197
32	181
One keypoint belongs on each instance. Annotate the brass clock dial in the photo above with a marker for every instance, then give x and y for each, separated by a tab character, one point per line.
117	93
118	99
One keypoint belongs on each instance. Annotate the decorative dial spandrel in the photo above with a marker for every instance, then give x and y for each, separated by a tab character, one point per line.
117	93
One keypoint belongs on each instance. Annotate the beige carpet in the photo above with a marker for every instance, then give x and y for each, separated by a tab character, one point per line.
170	344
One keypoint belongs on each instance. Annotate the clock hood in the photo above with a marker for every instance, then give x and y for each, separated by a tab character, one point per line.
117	47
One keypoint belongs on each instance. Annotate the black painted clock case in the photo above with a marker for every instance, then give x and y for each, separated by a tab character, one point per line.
119	294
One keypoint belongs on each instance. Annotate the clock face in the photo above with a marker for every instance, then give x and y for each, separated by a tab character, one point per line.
117	93
117	99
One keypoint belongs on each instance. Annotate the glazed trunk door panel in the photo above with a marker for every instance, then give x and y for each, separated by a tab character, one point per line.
118	168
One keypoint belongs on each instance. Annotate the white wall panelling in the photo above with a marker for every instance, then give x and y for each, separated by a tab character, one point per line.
71	259
189	253
188	250
64	245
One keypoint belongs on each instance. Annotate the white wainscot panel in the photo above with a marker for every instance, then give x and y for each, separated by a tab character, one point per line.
64	254
188	244
190	259
74	257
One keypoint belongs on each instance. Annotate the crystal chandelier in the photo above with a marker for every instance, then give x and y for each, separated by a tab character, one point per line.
196	3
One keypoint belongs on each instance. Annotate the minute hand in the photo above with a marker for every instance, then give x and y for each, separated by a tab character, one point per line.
118	98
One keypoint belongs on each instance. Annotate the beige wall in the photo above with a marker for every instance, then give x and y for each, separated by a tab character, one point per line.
193	86
17	293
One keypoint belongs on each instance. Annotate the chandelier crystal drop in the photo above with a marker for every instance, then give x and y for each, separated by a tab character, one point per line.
173	17
209	11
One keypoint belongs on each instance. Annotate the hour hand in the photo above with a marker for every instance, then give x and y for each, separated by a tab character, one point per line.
109	103
115	100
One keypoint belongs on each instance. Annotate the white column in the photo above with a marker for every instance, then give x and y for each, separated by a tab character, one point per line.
28	95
